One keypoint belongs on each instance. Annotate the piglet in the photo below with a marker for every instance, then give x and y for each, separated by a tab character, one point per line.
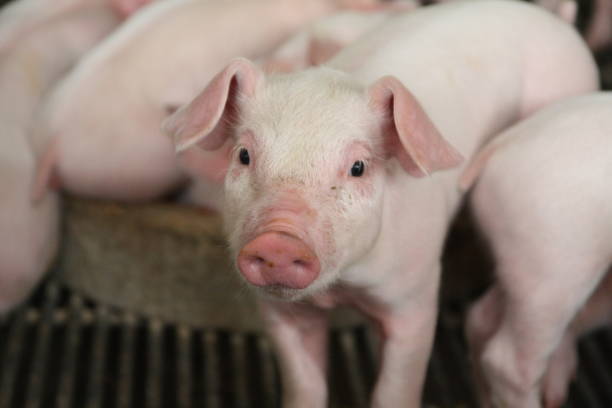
542	198
598	30
324	38
341	180
101	126
23	17
29	66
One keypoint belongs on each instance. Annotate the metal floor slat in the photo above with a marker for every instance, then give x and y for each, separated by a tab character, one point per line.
61	351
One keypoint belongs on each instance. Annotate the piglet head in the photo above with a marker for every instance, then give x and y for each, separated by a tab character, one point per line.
305	158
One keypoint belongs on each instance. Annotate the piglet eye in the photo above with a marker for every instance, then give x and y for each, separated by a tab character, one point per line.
243	156
358	168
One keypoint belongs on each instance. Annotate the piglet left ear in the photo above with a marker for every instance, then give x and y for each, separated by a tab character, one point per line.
410	135
204	120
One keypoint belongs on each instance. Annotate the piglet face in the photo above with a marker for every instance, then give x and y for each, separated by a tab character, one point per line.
304	184
306	157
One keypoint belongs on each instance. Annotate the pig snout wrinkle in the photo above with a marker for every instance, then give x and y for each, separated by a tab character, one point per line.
280	259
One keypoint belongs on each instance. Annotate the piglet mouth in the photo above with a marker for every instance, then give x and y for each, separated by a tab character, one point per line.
280	292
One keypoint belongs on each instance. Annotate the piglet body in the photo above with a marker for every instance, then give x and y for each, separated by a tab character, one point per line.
36	58
324	38
543	199
24	17
102	123
325	196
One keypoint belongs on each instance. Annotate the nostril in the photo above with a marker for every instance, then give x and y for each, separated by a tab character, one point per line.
261	262
299	262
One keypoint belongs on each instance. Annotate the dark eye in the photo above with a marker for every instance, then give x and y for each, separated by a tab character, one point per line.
358	168
243	155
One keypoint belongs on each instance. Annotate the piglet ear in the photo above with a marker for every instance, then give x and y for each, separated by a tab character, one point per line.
204	120
410	135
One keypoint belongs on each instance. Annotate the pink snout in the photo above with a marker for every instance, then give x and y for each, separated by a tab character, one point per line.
277	258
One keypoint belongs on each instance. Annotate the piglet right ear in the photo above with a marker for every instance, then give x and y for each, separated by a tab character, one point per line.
411	136
204	120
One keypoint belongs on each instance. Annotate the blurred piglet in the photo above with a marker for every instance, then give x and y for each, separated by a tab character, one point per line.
598	31
102	124
598	25
340	181
544	201
24	17
325	37
36	57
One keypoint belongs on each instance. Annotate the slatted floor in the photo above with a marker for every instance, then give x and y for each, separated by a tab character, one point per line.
63	351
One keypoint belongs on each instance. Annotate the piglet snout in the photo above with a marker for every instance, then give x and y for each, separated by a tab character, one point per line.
278	258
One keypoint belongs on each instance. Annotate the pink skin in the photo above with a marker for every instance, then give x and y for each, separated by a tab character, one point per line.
24	17
120	93
485	318
44	43
552	250
126	8
278	259
565	9
323	39
277	252
281	245
407	108
598	33
596	313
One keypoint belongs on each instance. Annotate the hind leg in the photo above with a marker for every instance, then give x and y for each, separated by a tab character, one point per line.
483	319
541	296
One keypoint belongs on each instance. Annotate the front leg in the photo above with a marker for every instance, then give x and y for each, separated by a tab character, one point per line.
408	331
299	334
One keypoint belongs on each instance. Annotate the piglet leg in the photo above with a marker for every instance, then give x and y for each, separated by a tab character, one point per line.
299	334
597	312
538	308
560	372
482	322
484	319
599	32
408	332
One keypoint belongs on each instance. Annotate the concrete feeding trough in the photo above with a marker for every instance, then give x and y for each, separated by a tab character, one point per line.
159	260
